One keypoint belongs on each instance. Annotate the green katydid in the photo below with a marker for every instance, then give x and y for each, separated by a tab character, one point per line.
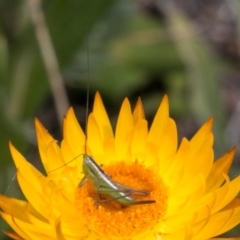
103	184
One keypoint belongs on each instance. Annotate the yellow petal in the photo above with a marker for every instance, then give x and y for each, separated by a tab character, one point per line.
59	233
109	150
69	157
219	223
43	139
168	147
139	140
233	204
34	196
101	116
173	174
14	207
13	235
233	190
10	220
202	137
54	157
124	131
187	195
200	162
24	166
220	167
138	112
159	123
34	232
95	139
73	133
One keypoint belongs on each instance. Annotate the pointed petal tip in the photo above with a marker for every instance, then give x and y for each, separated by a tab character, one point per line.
38	125
230	154
97	96
70	112
138	112
208	125
11	147
210	120
126	102
165	100
10	144
165	97
36	121
233	150
139	103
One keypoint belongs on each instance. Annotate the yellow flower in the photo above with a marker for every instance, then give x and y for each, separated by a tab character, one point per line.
195	200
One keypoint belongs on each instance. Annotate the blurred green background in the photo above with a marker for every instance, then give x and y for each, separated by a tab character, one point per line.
189	50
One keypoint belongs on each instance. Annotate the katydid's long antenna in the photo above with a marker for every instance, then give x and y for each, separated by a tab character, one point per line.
87	95
88	77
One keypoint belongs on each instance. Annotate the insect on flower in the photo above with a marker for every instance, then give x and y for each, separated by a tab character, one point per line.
103	184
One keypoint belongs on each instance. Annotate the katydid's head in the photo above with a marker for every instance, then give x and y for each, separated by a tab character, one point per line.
87	159
90	166
90	162
91	170
85	164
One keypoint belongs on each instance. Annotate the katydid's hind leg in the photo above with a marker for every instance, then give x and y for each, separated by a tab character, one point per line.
111	199
83	181
103	189
120	197
128	191
133	191
143	202
97	199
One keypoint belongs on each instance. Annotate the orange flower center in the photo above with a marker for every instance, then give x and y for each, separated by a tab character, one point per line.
112	219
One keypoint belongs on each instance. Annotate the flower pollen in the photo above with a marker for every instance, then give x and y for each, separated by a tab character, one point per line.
112	219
